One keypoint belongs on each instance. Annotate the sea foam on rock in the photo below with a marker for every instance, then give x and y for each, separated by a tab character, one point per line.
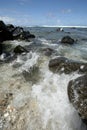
65	65
77	93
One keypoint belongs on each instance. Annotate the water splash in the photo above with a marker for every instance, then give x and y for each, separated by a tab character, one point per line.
56	111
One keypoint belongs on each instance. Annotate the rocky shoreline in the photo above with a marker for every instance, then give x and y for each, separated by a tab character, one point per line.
76	89
10	32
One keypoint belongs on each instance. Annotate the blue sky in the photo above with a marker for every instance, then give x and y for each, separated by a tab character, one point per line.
44	12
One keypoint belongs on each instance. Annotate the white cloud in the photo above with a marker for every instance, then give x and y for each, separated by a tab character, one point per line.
24	20
7	19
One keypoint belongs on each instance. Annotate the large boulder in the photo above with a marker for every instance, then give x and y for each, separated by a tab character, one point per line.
5	34
19	49
67	39
77	93
65	65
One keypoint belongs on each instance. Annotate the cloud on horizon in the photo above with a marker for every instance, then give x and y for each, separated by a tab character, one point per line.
7	19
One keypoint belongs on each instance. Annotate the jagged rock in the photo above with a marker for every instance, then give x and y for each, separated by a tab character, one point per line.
9	32
19	33
5	34
67	39
25	35
19	49
64	65
77	93
10	27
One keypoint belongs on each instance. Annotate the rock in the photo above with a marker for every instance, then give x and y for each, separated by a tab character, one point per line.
9	32
25	35
19	49
10	27
64	65
59	30
19	33
47	51
77	93
0	48
67	39
5	34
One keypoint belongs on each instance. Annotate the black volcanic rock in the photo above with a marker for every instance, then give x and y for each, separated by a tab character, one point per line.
77	93
67	39
19	49
10	27
65	65
25	35
5	34
19	33
0	48
9	32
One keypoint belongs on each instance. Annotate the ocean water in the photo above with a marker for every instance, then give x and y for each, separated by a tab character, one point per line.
40	99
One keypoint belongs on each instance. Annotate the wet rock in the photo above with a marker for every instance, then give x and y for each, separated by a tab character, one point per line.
67	39
19	49
64	65
77	93
47	51
5	34
19	33
25	35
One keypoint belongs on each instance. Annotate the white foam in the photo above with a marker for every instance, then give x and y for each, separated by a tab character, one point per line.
51	95
2	57
31	60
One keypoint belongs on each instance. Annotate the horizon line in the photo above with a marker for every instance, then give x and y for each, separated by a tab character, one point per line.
76	26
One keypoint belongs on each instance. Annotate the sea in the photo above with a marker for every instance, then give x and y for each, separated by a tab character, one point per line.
39	97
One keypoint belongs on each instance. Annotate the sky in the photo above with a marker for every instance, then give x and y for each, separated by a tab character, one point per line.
44	12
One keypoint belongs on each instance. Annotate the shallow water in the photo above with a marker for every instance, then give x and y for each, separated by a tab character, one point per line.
40	99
